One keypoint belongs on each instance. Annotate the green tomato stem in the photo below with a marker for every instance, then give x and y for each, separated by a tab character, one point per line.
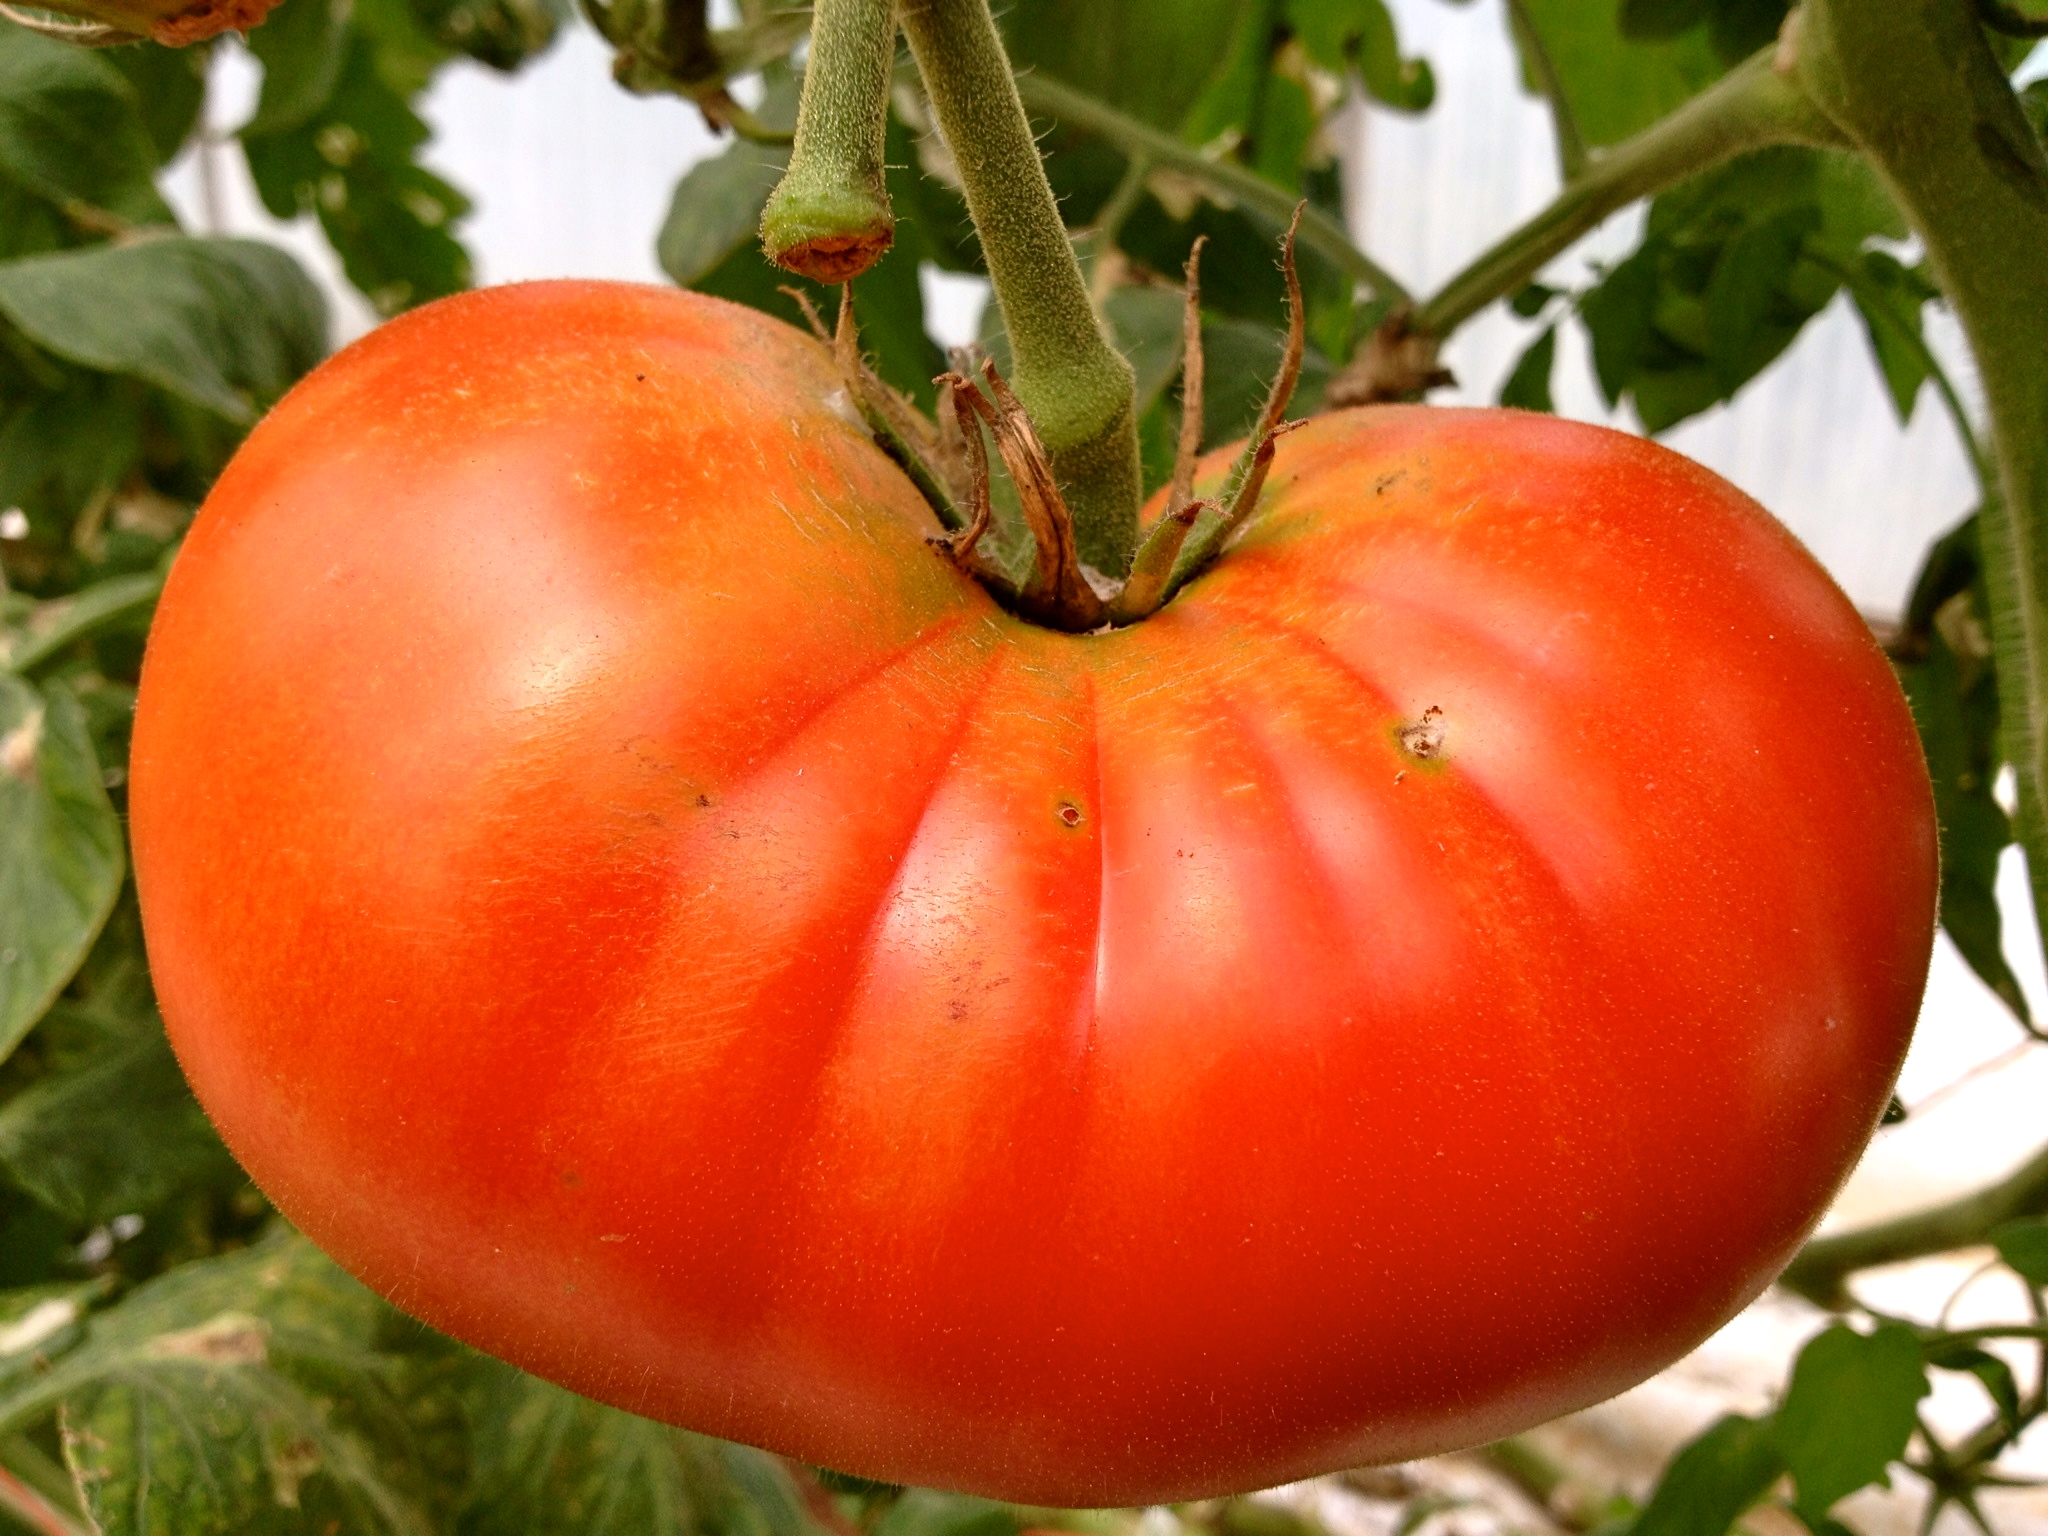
829	216
1754	104
1319	231
1078	390
1915	85
1826	1262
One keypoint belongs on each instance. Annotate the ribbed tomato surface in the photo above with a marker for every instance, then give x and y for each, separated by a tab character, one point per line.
640	909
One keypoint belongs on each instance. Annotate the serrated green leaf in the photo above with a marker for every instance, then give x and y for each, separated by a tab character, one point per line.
504	35
61	850
302	48
2000	1384
2023	1245
716	210
1239	361
551	1463
1848	1412
117	1132
928	1512
1711	1481
1528	387
70	130
1891	297
169	86
1148	326
225	324
1617	87
1342	34
1944	660
1744	294
1153	57
1620	314
353	164
241	1393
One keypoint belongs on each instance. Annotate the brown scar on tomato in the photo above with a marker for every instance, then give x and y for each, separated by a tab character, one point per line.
1424	738
1070	813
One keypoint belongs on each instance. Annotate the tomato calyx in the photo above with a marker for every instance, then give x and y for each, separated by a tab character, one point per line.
947	459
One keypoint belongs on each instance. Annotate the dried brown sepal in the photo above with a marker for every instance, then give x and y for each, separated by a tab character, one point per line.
1058	594
1189	446
1247	477
803	302
1398	362
1146	590
954	398
899	429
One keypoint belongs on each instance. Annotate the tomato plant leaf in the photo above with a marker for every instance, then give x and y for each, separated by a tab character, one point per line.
1154	58
550	1463
2023	1245
71	132
1848	1412
352	164
169	86
1240	358
715	213
302	48
1890	296
225	324
1710	1482
501	34
256	1390
61	850
928	1512
40	1322
1999	1382
1528	386
1617	86
1945	662
1340	35
114	1132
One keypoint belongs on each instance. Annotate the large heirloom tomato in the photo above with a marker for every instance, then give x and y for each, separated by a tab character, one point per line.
638	907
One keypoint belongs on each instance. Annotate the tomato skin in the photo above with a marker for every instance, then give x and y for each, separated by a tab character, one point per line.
622	895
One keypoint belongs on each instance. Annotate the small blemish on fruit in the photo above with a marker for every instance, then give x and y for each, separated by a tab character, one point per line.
572	1178
1069	813
612	1237
703	802
1424	738
639	378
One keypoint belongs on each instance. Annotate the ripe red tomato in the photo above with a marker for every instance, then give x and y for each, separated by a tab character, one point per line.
640	909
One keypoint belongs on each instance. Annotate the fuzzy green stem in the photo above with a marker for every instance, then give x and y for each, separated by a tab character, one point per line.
1915	85
1319	232
829	216
1752	105
1080	393
1826	1262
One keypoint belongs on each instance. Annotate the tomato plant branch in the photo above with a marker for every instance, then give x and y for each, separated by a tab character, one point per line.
1080	392
1754	104
1319	231
1956	150
1824	1264
60	624
829	216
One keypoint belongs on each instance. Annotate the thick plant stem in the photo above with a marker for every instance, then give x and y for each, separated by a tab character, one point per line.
1754	104
829	216
1915	85
1825	1263
1080	393
1319	232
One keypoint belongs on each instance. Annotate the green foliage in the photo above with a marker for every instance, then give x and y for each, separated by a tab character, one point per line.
1944	659
1528	386
1732	265
61	853
2023	1245
1712	1481
1848	1413
72	134
1614	86
224	324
